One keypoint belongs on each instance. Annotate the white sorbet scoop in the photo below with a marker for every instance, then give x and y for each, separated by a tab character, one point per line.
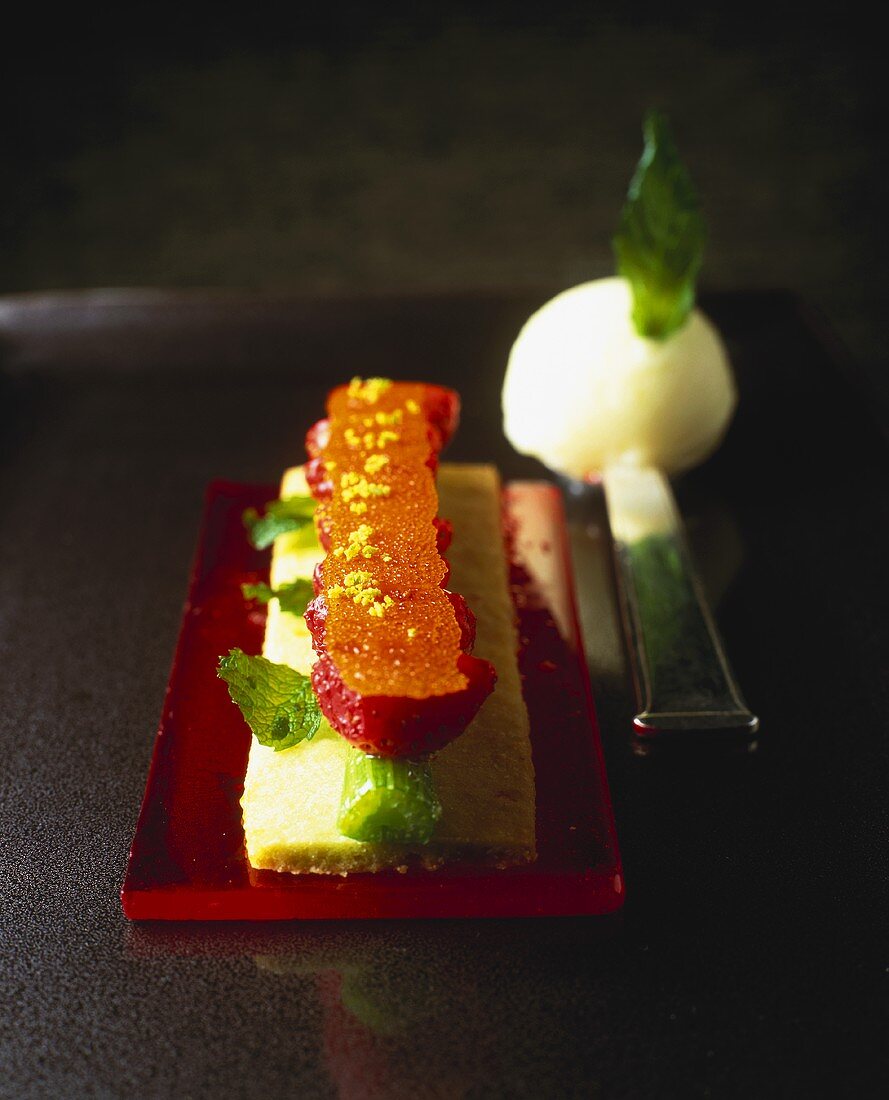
585	392
591	398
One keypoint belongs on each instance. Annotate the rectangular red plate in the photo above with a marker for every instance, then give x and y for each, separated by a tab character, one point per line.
188	860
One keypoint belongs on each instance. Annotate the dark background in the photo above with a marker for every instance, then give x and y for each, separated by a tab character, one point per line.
345	154
361	147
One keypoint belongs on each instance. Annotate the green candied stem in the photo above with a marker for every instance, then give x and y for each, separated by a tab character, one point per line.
387	799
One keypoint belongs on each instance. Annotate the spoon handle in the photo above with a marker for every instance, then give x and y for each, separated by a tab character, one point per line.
684	683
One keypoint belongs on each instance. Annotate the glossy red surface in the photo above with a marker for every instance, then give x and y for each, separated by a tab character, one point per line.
188	861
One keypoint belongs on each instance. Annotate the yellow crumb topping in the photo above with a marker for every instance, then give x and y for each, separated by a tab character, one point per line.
374	463
368	389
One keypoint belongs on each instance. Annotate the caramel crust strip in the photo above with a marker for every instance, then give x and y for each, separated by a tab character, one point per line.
390	627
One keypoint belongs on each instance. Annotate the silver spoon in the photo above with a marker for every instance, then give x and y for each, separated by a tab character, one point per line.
684	683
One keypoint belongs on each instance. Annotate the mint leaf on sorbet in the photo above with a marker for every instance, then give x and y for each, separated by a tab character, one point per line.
659	244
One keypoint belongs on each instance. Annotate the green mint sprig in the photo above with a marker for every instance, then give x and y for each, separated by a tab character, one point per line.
660	242
292	596
280	516
277	702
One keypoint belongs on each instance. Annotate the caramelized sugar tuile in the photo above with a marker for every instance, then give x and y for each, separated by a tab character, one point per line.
390	628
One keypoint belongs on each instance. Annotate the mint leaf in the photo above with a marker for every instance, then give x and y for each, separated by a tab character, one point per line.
259	592
659	244
277	702
281	516
293	596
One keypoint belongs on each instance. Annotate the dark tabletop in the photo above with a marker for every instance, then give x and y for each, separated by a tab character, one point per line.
751	956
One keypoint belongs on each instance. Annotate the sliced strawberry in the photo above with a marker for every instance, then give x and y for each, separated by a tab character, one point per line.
400	726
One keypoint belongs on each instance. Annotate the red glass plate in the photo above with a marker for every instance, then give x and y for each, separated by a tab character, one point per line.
188	860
